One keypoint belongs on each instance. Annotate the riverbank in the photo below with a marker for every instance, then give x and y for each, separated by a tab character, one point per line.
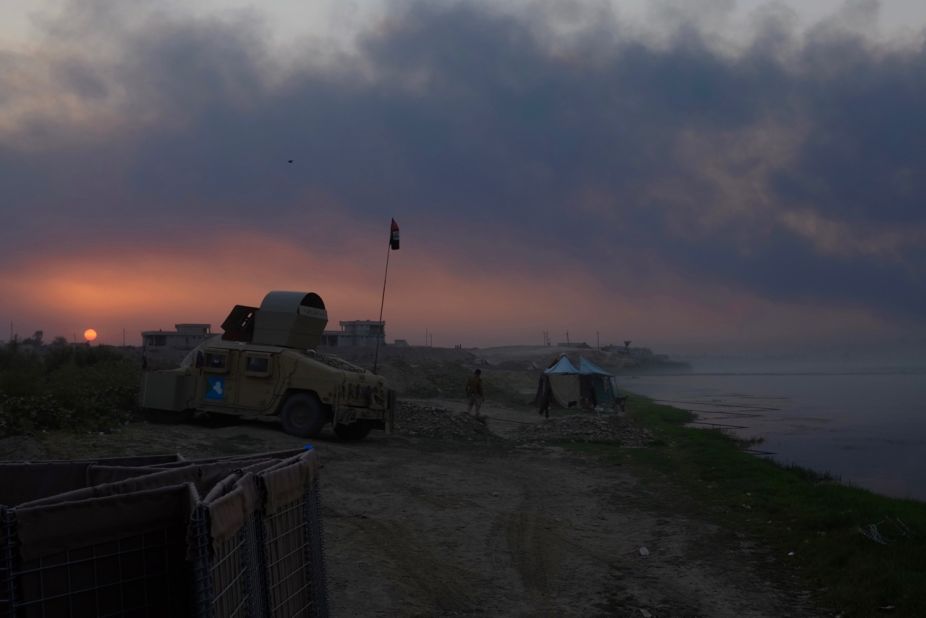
863	425
860	554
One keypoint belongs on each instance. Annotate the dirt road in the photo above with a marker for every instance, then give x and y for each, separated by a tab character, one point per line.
424	526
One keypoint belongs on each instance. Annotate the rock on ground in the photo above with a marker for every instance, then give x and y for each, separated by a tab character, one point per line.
586	428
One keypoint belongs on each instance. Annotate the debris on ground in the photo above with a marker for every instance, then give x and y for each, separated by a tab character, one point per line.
586	428
412	419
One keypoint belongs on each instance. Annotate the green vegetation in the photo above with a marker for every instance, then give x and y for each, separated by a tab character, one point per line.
805	519
65	387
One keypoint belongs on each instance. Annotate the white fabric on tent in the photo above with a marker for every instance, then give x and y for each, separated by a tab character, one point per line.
566	388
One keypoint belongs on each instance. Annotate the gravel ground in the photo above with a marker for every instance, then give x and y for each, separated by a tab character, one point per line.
433	421
586	428
446	420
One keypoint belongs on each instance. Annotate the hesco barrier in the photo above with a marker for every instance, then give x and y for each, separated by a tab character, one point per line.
163	536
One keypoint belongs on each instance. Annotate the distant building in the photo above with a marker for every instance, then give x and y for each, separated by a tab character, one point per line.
356	333
175	342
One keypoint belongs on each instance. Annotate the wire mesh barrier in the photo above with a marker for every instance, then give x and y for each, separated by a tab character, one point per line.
295	554
237	536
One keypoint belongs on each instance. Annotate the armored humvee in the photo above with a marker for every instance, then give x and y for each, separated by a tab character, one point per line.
265	366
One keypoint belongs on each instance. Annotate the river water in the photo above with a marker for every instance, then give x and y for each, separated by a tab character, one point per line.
866	427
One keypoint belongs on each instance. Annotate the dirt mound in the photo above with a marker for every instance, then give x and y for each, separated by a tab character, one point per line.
586	428
413	419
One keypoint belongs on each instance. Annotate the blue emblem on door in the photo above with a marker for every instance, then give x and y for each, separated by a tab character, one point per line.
216	390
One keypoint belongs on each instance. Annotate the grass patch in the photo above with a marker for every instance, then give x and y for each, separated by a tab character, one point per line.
65	387
791	509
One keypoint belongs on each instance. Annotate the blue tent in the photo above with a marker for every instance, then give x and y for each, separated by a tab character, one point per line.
587	367
562	366
587	387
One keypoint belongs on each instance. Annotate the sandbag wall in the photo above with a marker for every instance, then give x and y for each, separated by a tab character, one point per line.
237	536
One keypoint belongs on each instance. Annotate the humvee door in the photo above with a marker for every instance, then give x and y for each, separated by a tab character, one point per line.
216	387
257	376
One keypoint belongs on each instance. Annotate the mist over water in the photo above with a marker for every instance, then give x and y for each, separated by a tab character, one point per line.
864	423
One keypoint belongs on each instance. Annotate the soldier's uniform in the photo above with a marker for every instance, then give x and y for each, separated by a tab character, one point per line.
474	393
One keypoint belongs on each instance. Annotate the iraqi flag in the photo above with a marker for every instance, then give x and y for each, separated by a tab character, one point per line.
394	236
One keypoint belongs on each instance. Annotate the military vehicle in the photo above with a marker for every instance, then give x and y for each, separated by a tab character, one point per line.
265	366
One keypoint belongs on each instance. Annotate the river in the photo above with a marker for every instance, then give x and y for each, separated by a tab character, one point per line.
865	426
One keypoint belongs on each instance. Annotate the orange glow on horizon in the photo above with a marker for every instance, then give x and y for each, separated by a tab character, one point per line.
154	288
90	335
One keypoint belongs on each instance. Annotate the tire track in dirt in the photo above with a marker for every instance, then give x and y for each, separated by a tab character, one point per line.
524	540
443	585
532	551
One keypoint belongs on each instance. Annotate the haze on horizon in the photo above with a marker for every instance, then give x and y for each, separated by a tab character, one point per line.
696	174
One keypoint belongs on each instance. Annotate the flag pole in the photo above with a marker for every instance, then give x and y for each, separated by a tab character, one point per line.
393	246
382	302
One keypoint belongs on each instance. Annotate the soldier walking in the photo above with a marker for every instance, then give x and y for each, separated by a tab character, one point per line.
474	393
544	396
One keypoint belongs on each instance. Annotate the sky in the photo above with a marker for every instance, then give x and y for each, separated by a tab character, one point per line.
695	174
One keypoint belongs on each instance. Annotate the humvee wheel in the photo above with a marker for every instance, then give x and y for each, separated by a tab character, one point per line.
354	431
302	415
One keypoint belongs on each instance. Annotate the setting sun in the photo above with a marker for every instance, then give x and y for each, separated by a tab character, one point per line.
90	334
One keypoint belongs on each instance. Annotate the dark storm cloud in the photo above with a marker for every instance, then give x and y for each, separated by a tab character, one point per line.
793	169
863	158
